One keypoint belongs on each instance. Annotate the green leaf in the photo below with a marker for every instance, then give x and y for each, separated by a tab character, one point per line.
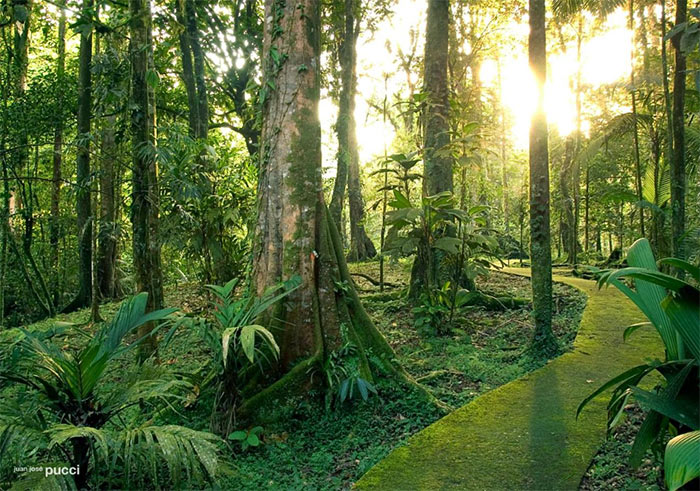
253	440
621	379
684	312
693	271
682	459
450	245
238	435
152	78
647	434
647	295
400	201
671	409
652	425
629	330
247	340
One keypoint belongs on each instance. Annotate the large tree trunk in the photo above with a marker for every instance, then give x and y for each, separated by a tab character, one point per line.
437	173
147	259
438	166
82	198
540	238
295	235
678	161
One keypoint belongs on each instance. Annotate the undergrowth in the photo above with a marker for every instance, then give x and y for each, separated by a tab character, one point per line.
310	447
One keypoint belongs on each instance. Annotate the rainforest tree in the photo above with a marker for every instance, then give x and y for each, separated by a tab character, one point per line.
540	237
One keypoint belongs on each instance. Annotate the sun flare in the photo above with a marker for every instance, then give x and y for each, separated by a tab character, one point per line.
605	59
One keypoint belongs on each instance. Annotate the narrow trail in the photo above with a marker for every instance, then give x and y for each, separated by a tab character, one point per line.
524	435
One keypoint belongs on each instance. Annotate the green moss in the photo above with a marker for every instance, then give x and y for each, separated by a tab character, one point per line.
524	434
305	159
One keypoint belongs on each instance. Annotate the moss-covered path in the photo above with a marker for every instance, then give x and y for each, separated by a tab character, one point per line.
524	435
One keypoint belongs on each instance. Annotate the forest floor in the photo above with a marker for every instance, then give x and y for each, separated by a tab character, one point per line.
311	448
526	433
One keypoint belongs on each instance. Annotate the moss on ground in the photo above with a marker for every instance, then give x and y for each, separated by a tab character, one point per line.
524	435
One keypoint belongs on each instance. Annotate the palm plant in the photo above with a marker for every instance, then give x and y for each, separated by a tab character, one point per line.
63	413
241	348
672	307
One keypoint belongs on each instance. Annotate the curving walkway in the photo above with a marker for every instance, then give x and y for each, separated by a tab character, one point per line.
524	435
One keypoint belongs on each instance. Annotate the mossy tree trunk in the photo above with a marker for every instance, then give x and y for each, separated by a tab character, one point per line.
295	235
146	247
540	236
437	171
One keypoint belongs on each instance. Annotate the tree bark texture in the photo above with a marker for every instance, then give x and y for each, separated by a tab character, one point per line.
295	235
540	238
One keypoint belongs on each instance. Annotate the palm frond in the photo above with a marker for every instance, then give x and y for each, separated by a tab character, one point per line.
61	433
618	126
566	8
184	451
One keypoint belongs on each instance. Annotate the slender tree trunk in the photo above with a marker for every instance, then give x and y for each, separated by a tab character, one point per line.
82	199
385	188
437	173
668	107
198	58
147	260
55	223
504	154
678	176
361	246
576	174
346	59
566	184
587	205
187	69
633	93
540	239
108	223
